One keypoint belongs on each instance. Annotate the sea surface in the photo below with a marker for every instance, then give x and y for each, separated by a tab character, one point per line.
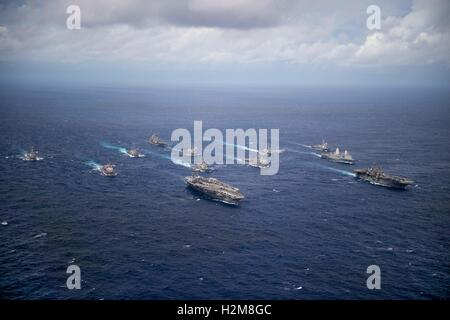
309	232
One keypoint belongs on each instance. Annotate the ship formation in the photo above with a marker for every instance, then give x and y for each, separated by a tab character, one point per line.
374	175
214	189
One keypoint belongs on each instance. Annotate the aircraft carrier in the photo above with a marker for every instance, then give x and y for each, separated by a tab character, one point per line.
215	189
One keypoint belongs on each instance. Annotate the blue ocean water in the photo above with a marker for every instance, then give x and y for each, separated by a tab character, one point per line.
309	232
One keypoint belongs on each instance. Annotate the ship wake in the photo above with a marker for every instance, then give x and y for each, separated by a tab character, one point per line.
303	152
94	165
112	147
343	172
167	157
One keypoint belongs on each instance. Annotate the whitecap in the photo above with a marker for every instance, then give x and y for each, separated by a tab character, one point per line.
40	235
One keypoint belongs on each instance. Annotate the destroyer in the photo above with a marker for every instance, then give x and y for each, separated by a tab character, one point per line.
155	140
134	153
337	156
321	146
375	175
214	189
192	152
266	152
258	162
108	170
201	167
31	155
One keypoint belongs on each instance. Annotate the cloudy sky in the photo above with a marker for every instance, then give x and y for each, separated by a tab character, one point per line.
235	41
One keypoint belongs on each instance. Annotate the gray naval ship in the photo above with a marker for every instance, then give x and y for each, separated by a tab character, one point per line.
31	155
192	152
260	161
215	189
201	167
323	147
108	170
134	153
375	175
157	141
337	156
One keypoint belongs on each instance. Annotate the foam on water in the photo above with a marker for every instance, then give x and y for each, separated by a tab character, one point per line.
344	172
168	157
110	146
300	144
303	152
240	147
94	165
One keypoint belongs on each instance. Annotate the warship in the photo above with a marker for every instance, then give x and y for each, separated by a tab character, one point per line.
266	151
108	170
155	140
376	176
337	156
134	153
201	167
321	146
192	152
258	162
214	189
31	155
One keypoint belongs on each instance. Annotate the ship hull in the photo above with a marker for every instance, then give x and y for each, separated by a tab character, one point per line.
159	144
321	149
387	183
344	161
214	192
109	174
212	196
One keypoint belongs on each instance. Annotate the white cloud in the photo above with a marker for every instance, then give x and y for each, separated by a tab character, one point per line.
239	31
421	37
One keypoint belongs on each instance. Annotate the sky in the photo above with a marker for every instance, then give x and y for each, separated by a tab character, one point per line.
268	42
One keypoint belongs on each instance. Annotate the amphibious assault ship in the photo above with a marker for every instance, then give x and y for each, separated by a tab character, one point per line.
375	175
108	170
337	156
155	140
214	189
31	155
321	146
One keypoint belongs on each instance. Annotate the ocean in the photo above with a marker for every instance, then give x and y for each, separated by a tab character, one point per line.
308	232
